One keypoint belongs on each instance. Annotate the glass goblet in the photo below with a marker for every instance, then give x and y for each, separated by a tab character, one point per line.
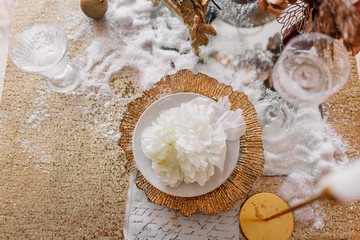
312	67
40	47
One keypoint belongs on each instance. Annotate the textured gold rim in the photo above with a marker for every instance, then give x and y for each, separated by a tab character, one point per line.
248	168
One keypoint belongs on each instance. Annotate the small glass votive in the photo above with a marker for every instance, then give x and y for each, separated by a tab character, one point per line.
40	47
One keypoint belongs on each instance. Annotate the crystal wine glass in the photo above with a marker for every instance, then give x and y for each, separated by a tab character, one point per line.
312	67
40	47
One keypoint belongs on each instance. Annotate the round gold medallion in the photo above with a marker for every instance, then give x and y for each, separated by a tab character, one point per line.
259	207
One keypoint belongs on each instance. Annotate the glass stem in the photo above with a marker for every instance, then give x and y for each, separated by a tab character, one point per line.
272	112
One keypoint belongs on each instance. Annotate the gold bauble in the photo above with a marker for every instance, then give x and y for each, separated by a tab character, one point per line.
94	8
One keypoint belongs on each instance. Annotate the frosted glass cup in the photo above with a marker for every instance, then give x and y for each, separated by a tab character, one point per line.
40	47
312	67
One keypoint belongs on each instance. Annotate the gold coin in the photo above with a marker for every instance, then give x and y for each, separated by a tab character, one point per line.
256	209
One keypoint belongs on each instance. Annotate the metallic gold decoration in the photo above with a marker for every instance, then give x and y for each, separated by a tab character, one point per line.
275	6
249	166
192	14
255	212
297	15
290	13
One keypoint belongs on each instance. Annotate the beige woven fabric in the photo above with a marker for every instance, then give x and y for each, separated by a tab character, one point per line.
59	180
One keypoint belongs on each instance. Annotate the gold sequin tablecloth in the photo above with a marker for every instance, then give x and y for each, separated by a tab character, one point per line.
60	178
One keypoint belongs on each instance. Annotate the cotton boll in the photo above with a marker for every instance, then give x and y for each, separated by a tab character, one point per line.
343	183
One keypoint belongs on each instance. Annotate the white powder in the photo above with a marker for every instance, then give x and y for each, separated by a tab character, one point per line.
38	154
299	186
105	130
302	184
300	145
40	112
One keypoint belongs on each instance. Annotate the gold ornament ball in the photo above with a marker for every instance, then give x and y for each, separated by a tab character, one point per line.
94	8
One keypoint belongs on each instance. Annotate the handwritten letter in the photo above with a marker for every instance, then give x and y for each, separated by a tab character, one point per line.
146	220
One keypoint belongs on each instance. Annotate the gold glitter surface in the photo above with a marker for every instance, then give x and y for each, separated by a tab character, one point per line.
81	193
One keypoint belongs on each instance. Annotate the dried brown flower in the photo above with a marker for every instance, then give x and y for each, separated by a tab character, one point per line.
356	4
335	18
339	19
308	1
323	21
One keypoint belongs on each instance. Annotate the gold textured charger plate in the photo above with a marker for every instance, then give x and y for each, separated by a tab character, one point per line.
144	164
251	158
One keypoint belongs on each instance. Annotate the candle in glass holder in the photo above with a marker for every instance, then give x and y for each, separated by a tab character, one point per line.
259	207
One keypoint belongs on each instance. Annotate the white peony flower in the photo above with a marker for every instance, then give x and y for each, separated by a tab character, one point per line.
186	143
